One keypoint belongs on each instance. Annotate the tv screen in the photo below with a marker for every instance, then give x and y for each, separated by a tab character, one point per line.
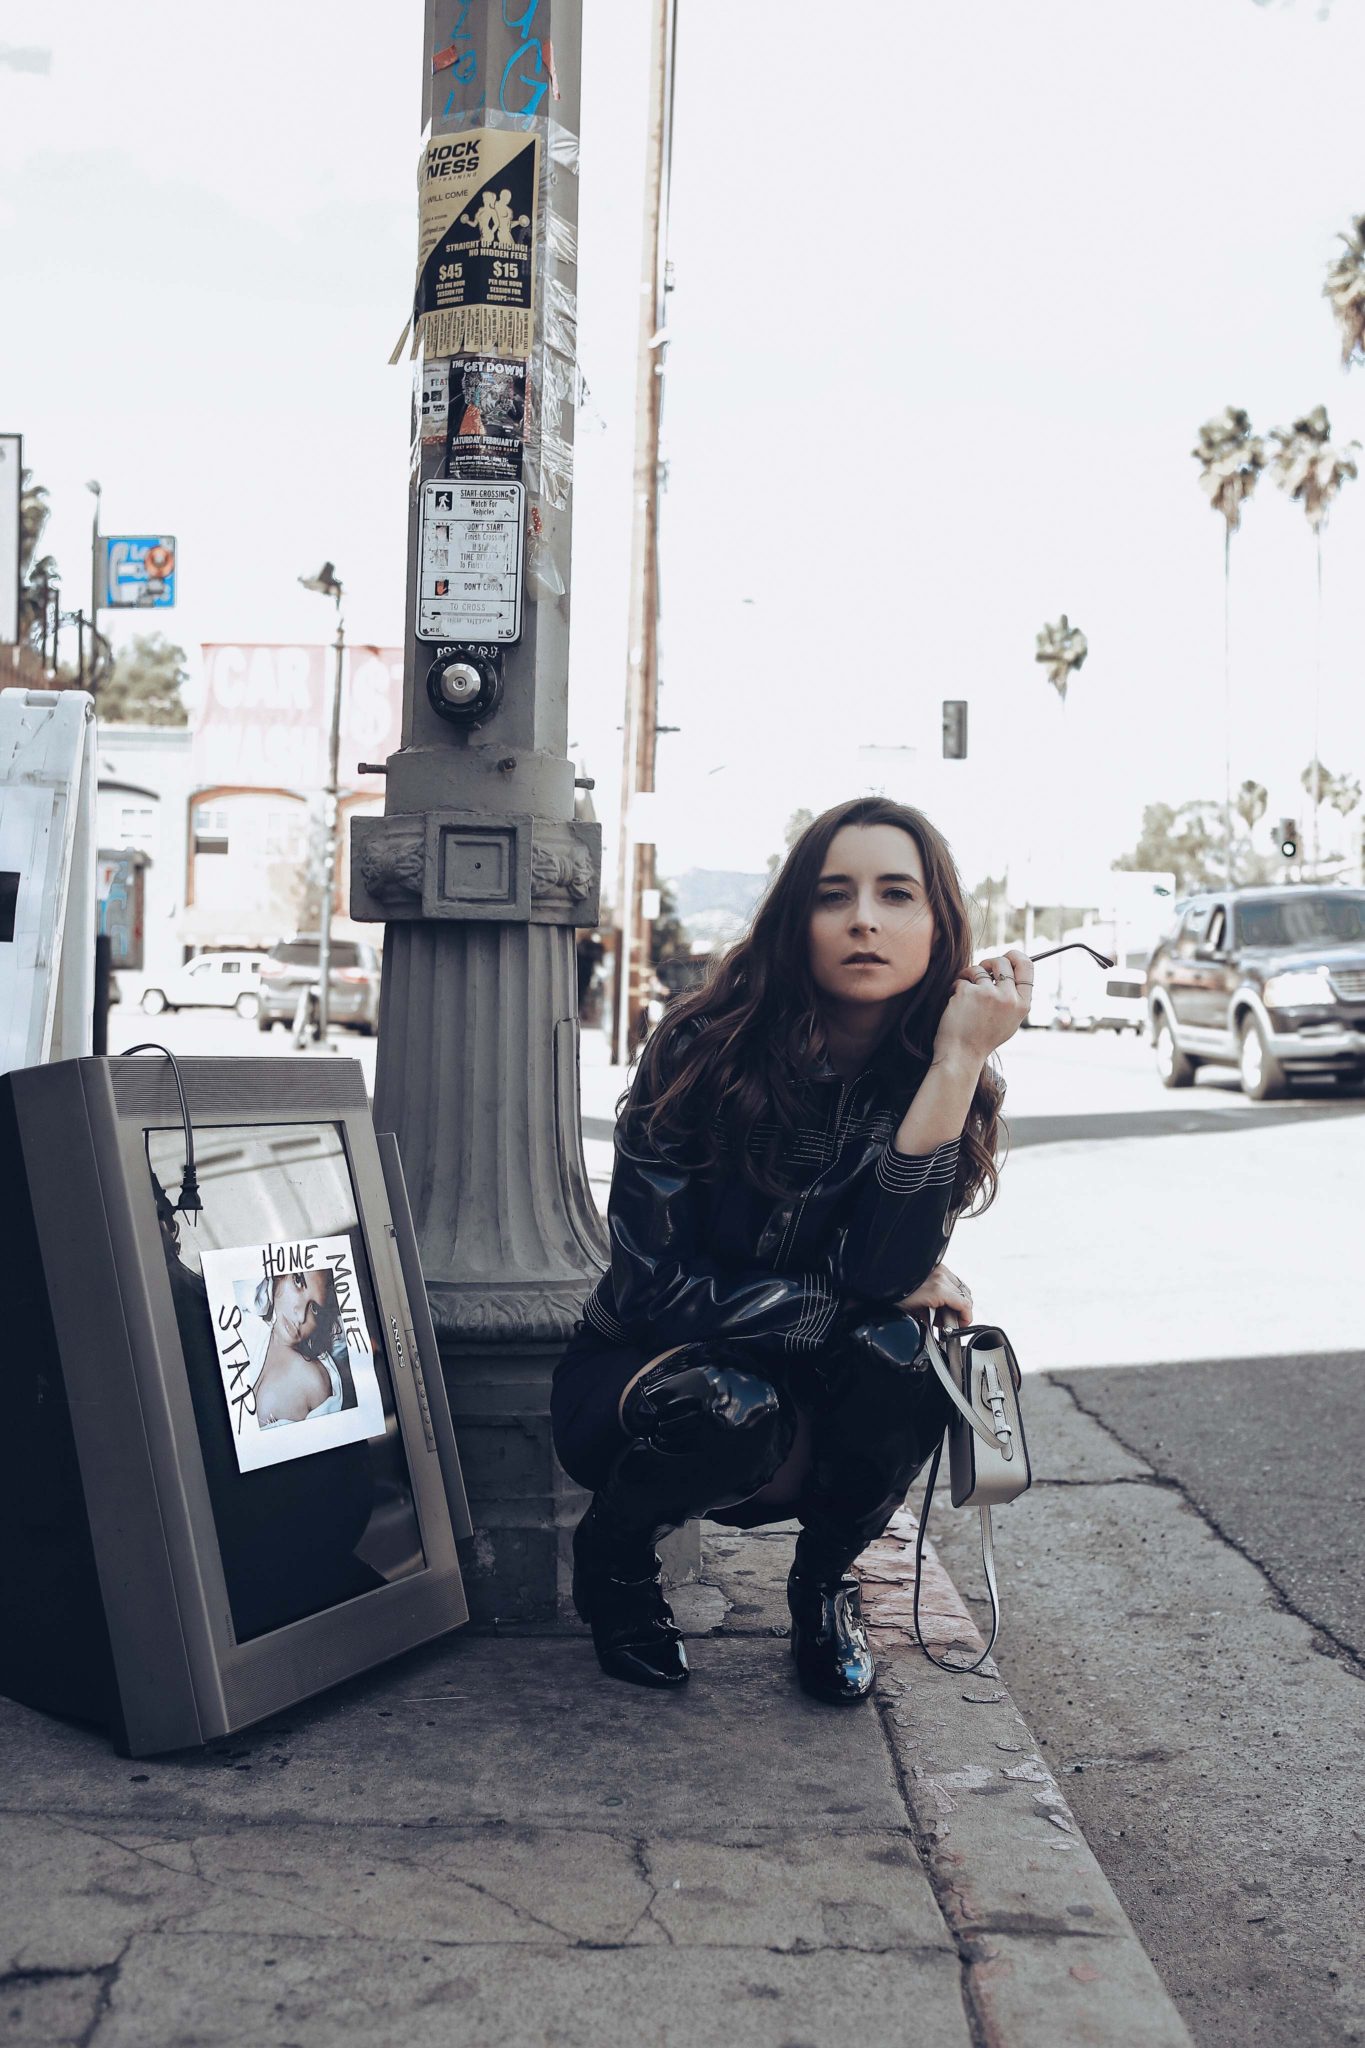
234	1476
293	1396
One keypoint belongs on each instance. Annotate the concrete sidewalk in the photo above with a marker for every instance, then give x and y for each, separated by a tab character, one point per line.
489	1842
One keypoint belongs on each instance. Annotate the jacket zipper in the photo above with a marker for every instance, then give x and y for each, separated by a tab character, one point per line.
789	1235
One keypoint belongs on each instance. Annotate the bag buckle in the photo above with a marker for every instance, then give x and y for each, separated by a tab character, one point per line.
993	1394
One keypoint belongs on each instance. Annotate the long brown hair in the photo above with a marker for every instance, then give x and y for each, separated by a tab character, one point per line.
734	1051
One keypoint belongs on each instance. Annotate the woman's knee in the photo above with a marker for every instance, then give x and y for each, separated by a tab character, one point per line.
893	1337
708	1399
882	1375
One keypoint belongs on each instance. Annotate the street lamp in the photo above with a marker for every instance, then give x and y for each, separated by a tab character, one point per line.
328	584
94	487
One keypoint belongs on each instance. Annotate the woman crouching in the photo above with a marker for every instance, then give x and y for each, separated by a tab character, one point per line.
801	1135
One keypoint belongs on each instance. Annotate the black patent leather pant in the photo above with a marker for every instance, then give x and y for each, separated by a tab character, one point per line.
710	1427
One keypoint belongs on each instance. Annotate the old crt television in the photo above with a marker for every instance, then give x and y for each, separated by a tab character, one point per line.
230	1478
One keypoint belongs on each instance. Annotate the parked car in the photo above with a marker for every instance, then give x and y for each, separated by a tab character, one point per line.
353	992
1121	1002
1073	992
211	981
1047	1012
1269	980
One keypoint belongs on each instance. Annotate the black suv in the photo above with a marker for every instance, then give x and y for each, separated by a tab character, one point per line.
1270	981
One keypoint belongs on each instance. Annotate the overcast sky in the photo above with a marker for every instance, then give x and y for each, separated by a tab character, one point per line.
955	287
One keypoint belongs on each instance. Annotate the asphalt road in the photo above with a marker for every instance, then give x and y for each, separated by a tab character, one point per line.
1184	1613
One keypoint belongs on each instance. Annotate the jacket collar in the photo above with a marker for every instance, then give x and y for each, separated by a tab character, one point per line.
823	1070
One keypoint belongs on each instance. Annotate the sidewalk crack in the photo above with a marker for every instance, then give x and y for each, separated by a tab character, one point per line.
640	1851
110	1975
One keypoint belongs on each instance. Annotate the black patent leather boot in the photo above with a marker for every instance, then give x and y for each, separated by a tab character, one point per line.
705	1432
617	1590
829	1641
880	1413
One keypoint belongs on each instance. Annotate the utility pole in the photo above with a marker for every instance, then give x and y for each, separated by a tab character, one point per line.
328	584
635	864
478	868
329	866
94	488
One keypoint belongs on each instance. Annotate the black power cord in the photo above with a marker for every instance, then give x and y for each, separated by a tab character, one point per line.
189	1203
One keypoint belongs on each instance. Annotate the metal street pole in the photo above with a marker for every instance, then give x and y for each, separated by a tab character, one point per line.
635	870
329	868
478	868
94	586
328	584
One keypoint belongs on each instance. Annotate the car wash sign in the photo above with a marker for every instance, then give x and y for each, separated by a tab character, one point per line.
137	570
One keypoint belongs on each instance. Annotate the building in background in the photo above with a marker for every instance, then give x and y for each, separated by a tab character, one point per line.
229	809
143	804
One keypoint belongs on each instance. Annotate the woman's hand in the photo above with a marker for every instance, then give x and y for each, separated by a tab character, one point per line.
987	1006
941	1290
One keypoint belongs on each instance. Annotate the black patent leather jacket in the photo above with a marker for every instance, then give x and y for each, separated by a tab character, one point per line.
696	1256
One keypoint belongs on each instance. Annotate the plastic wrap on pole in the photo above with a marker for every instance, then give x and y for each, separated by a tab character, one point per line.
549	451
561	145
554	382
544	578
561	240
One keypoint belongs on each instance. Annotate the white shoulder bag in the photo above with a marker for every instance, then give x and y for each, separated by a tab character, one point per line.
987	1454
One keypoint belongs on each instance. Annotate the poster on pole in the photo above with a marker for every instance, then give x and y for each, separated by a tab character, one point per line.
485	433
476	239
11	534
469	572
294	1350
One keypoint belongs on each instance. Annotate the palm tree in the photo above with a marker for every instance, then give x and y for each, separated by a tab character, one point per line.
1342	792
1231	459
1251	803
36	577
1345	287
1312	471
1062	649
33	511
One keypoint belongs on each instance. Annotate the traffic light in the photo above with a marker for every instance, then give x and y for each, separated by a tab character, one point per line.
1288	836
954	728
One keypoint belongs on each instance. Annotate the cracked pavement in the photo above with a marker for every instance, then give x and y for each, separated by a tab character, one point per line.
489	1840
1185	1628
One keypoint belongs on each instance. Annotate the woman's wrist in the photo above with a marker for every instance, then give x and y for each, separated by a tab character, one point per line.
959	1059
938	1113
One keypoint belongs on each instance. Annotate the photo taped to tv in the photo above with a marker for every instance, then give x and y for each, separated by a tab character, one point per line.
296	1357
298	1532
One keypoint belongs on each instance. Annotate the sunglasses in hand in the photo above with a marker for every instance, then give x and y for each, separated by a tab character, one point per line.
1079	946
